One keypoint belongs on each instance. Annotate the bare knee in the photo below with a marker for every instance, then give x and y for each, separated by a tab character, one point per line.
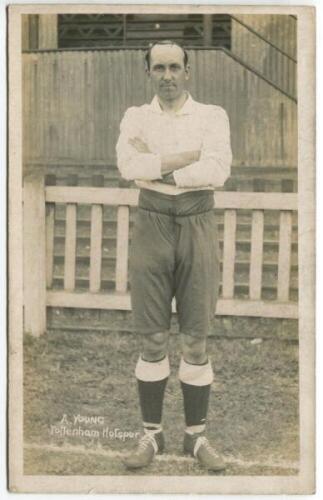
155	346
194	349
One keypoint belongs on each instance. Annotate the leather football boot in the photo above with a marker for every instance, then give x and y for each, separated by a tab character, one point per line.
148	446
198	446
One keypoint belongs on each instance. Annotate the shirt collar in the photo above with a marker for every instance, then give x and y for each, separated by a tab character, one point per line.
186	109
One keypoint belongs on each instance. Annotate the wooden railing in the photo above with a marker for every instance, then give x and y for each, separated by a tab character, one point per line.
40	205
267	58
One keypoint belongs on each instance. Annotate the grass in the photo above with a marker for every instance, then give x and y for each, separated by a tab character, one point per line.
253	415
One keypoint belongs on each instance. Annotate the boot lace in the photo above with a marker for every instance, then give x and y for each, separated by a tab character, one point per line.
145	441
204	441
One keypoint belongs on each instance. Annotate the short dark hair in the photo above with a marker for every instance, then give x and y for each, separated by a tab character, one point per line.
164	42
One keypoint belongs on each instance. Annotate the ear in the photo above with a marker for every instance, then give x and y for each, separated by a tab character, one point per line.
187	72
147	70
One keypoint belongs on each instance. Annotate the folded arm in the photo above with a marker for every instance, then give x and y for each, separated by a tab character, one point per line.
214	165
136	161
132	163
169	162
172	162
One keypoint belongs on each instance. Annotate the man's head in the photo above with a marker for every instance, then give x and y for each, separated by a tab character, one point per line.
167	66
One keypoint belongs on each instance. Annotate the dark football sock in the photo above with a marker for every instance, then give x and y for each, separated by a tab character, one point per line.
151	397
196	384
152	379
196	403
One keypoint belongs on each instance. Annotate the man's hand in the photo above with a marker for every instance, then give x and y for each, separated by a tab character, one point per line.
176	161
169	162
169	179
139	145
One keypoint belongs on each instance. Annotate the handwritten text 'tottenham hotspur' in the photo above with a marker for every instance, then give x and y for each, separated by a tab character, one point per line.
89	427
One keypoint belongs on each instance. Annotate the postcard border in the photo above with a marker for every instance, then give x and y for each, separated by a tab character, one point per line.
304	482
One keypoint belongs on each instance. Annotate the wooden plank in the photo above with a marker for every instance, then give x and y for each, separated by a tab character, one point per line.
257	308
229	250
256	254
24	32
47	31
261	201
125	196
33	31
92	195
86	300
207	29
70	247
50	222
96	247
34	255
122	249
96	239
26	116
121	301
284	255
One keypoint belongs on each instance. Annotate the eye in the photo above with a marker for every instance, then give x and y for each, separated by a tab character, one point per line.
175	67
158	67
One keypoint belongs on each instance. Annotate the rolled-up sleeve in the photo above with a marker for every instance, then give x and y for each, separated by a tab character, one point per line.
214	165
132	164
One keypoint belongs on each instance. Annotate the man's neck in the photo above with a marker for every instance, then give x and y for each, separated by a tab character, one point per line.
173	105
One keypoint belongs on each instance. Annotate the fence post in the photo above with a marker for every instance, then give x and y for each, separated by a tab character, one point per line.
47	31
96	239
207	29
34	254
70	239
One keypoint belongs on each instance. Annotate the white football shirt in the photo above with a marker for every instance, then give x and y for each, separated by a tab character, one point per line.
195	126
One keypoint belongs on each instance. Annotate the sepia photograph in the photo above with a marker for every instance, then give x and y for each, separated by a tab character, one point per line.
161	249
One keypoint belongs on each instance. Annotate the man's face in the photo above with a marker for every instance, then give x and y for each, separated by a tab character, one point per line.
167	71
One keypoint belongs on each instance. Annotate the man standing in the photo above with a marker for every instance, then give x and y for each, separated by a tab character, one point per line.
177	150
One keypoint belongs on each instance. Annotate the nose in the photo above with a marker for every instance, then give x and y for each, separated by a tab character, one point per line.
167	75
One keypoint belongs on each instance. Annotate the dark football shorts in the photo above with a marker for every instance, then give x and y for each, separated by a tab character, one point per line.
174	253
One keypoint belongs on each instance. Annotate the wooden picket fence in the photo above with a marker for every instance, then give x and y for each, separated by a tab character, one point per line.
40	204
